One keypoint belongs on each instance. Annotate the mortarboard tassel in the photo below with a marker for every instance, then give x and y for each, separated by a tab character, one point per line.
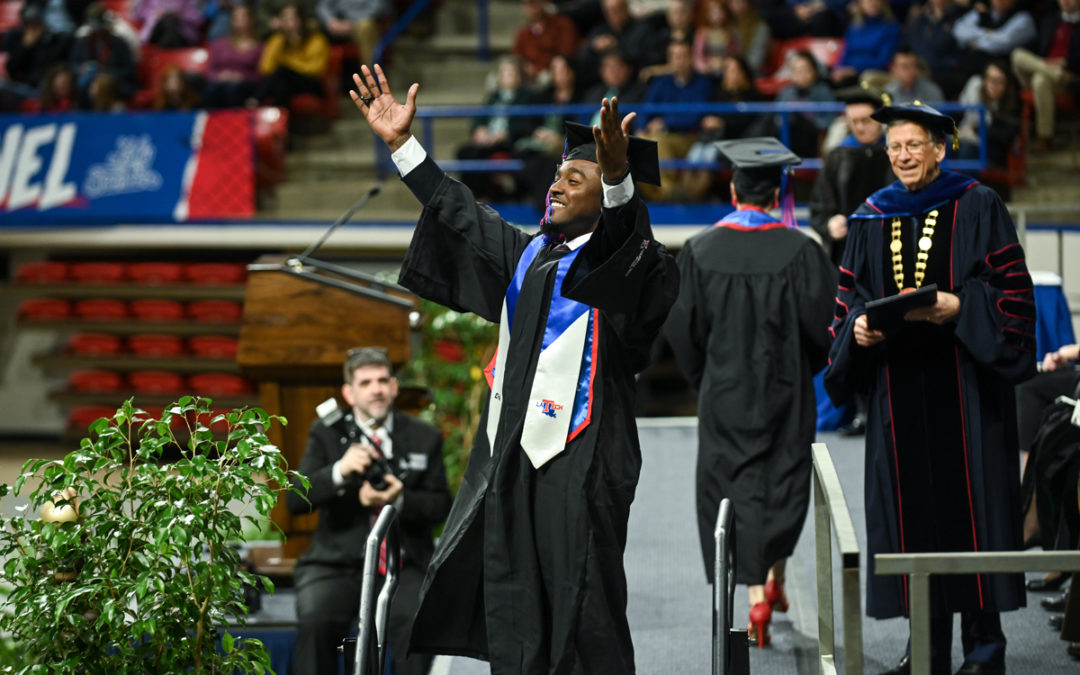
787	198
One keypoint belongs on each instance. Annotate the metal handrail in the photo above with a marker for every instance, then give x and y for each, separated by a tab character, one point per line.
374	613
919	566
723	587
831	516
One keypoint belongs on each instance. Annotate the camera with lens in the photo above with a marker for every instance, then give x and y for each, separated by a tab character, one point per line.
342	421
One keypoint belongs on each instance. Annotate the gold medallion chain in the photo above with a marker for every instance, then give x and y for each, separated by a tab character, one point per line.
921	256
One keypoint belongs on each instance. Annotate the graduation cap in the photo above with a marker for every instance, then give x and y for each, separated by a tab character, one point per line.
864	93
923	115
760	164
641	153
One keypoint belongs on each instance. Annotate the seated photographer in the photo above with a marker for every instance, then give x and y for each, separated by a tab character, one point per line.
358	460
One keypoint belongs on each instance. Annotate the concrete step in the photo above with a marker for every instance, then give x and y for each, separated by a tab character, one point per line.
327	199
458	17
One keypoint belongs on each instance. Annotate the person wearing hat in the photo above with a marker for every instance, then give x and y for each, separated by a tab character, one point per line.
853	170
528	574
942	472
32	50
749	332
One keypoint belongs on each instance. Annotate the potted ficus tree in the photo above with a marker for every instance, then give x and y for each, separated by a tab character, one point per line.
133	565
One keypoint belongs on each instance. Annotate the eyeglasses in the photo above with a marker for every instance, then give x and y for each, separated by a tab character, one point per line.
913	147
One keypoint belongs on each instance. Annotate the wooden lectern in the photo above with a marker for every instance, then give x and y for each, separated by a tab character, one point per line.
300	318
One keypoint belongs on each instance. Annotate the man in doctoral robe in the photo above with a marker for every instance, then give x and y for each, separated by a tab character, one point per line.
750	330
942	472
529	571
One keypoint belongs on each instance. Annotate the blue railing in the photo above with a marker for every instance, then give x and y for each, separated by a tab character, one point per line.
483	41
583	112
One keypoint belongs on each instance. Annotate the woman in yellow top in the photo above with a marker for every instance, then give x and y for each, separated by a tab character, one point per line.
294	59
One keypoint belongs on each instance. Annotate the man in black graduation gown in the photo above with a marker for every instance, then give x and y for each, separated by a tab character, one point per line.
528	573
942	471
749	330
852	171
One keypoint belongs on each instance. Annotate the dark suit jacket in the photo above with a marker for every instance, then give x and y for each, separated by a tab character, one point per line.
344	523
1047	28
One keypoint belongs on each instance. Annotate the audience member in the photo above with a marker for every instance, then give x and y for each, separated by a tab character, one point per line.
169	23
174	91
929	34
997	90
233	68
752	36
63	16
31	49
714	39
542	149
869	42
544	35
853	171
293	60
353	20
909	84
676	24
620	32
1054	67
102	96
101	50
795	18
218	16
985	32
675	132
616	80
58	92
806	128
268	14
737	86
497	133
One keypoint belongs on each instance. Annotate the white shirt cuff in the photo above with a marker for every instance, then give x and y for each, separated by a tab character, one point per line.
408	156
615	195
335	474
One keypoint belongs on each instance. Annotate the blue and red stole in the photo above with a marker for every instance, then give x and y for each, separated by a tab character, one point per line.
749	218
559	406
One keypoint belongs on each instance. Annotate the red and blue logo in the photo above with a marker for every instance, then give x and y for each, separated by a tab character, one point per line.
548	407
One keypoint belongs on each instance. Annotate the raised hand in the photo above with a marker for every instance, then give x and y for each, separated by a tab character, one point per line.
388	119
612	140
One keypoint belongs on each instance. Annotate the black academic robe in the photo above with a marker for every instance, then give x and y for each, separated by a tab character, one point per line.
749	330
529	573
849	176
942	469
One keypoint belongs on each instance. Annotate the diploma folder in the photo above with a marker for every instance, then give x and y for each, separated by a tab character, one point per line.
888	313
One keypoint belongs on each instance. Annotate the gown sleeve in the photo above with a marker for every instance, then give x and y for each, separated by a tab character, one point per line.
815	280
626	274
847	371
996	324
462	254
686	329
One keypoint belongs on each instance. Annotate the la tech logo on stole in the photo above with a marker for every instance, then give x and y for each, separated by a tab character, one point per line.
548	407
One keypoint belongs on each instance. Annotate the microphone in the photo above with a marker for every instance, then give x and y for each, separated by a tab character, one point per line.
298	261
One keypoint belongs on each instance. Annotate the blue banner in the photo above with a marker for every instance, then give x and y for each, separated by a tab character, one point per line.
103	168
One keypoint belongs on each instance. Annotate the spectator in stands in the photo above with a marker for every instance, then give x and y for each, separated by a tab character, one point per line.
752	35
675	132
853	171
63	16
293	60
175	92
869	42
233	67
676	24
619	32
542	149
32	49
355	20
714	39
908	84
101	50
169	23
985	32
1055	66
807	128
497	133
103	96
268	14
929	34
616	80
996	89
795	18
737	86
545	35
58	92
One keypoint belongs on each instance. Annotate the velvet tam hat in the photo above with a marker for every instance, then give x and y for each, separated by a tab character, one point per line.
925	116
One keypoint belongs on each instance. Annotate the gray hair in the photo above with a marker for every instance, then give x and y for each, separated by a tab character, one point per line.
360	357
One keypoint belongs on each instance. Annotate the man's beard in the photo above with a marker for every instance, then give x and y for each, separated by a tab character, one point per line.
550	230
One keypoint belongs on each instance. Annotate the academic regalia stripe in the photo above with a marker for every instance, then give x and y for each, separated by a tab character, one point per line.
1005	257
967	468
1016	308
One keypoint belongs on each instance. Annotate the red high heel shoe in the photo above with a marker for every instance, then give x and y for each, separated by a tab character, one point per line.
758	629
775	596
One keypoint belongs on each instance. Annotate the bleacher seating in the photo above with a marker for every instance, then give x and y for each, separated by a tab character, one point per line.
827	51
327	106
154	61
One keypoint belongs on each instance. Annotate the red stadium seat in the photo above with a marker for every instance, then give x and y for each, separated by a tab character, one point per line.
155	272
156	382
94	344
94	381
216	274
220	384
101	309
827	51
81	417
215	311
157	309
98	272
154	344
44	309
42	272
213	346
271	136
154	60
9	15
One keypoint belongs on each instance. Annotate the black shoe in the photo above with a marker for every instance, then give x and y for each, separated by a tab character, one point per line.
1073	650
1045	585
977	668
903	667
856	428
1056	621
1055	603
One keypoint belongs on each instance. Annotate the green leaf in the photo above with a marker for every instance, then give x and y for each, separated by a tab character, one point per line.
227	641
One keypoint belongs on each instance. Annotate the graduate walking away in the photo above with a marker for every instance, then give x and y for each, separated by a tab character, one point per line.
749	330
942	471
529	571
